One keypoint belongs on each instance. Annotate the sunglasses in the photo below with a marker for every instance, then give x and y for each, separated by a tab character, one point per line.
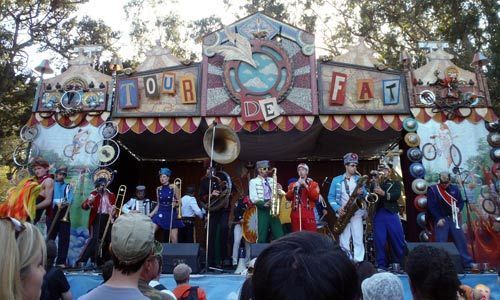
265	169
18	226
353	166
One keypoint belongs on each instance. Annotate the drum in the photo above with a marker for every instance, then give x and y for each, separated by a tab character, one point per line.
250	225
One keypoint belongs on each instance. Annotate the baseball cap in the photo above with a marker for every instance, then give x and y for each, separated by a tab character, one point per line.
132	237
182	272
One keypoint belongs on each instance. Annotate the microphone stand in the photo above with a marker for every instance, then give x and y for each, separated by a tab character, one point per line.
209	198
472	236
98	231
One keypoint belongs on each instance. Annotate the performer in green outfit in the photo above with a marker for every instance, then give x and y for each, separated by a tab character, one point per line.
260	190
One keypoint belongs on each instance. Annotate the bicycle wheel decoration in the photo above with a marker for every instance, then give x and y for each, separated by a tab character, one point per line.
107	153
456	155
429	151
25	153
29	133
108	130
91	147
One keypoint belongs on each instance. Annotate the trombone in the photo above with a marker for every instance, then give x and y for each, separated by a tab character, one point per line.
178	195
120	196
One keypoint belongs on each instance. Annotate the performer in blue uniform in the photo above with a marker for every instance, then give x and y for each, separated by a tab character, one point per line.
441	198
163	212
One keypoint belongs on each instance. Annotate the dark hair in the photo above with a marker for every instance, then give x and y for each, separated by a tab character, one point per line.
107	270
126	269
190	189
364	270
304	265
246	292
51	254
431	273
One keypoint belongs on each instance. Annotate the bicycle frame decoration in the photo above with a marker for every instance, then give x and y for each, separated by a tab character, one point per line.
446	88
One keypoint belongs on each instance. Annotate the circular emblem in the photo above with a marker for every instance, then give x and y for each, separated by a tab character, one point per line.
420	202
417	170
419	186
71	99
412	139
414	154
108	130
410	124
272	76
29	133
427	97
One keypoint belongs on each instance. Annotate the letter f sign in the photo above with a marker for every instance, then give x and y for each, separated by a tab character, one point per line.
337	88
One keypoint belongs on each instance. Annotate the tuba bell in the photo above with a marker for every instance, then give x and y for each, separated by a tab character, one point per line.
226	144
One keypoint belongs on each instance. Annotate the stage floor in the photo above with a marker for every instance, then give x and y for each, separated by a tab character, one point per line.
226	287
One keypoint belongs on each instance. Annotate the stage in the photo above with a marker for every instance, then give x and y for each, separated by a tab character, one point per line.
226	287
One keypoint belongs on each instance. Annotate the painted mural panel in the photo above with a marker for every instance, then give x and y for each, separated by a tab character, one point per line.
72	148
167	92
351	89
462	149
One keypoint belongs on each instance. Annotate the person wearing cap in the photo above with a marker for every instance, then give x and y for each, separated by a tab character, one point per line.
183	290
386	224
382	286
341	190
132	244
189	210
165	213
260	190
63	198
140	203
44	200
211	186
101	203
441	198
303	194
150	271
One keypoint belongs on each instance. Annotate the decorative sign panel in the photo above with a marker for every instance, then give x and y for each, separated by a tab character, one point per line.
351	89
165	92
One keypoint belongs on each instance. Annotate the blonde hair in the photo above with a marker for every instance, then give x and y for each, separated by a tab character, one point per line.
9	263
18	255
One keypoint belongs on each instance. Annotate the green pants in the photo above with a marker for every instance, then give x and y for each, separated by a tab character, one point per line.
264	221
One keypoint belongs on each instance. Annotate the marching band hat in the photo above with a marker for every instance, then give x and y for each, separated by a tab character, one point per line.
140	188
410	124
419	186
40	162
417	170
262	164
414	154
412	139
304	166
62	170
165	171
350	158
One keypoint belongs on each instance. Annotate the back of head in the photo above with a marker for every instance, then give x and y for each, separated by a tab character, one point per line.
432	274
11	282
382	286
181	273
365	269
51	253
304	265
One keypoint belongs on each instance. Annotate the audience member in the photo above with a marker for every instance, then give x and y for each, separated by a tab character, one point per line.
364	270
132	243
382	286
22	273
431	274
304	265
55	285
481	292
107	270
183	290
150	271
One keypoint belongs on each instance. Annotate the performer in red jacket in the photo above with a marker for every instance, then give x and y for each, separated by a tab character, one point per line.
304	194
101	203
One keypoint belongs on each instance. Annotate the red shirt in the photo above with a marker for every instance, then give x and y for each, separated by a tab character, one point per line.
183	290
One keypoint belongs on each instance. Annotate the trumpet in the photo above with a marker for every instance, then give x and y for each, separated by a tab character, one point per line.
178	195
66	214
375	178
275	194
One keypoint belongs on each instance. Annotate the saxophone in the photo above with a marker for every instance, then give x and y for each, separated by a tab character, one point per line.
275	195
354	203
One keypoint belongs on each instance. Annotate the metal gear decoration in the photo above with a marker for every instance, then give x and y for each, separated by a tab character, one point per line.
108	130
29	133
25	153
108	151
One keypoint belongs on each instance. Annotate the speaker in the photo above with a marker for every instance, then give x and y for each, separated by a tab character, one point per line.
174	254
448	247
256	249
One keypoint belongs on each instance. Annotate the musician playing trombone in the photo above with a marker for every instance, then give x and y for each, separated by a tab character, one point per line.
386	224
101	203
340	190
61	203
164	215
444	202
303	194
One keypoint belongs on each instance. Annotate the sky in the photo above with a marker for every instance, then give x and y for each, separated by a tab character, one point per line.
113	14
